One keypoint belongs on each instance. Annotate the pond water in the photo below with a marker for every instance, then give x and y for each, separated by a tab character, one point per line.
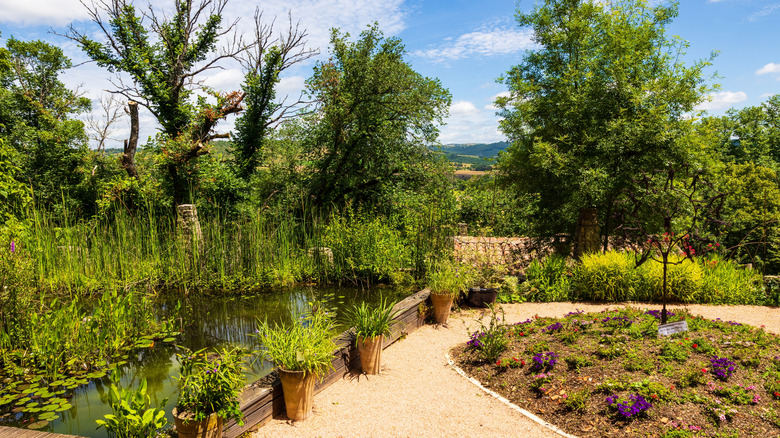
204	322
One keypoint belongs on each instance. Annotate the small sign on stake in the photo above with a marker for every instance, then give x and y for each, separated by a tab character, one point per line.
672	328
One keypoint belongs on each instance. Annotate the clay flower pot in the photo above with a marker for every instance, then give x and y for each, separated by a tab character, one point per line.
370	353
209	427
441	307
298	389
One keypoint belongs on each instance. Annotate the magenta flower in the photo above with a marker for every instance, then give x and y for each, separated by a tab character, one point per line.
13	247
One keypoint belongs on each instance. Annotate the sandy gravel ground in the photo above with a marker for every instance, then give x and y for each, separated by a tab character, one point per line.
418	394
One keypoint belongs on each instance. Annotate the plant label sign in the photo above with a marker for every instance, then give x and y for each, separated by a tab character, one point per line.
672	328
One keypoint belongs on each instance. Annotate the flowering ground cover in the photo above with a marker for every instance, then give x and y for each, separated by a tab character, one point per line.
611	374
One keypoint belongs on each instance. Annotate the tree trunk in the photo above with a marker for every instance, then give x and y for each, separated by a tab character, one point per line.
127	160
587	235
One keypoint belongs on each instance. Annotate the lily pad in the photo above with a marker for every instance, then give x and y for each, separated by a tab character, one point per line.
64	407
38	424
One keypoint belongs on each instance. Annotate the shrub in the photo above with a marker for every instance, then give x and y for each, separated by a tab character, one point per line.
683	279
725	282
548	280
608	276
491	340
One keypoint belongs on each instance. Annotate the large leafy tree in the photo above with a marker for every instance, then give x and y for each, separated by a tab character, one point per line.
38	125
374	118
602	97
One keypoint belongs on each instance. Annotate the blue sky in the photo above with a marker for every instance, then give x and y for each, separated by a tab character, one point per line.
467	44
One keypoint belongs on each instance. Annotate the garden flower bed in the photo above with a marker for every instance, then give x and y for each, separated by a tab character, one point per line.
611	374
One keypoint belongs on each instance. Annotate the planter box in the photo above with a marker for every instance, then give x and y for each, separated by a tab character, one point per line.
260	404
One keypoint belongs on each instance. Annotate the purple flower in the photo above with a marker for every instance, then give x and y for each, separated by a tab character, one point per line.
634	406
722	367
13	246
545	360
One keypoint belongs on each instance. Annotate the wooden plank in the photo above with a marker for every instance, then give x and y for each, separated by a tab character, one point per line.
14	432
261	404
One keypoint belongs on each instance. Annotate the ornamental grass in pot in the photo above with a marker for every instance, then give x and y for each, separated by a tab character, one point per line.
371	324
303	351
210	387
446	280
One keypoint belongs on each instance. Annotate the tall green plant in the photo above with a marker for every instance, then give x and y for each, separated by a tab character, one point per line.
133	416
305	345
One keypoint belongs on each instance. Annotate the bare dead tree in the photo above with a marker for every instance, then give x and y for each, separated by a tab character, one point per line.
102	126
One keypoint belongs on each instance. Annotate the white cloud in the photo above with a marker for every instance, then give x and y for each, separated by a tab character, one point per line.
463	107
765	95
480	43
769	68
42	12
224	80
317	17
764	12
492	104
722	100
468	123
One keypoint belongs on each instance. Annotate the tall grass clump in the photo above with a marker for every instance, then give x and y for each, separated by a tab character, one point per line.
548	280
614	276
726	282
684	280
609	276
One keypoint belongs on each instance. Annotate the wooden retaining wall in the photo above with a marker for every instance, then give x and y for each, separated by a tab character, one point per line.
260	403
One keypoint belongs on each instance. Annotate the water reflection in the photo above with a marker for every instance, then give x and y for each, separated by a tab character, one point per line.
205	323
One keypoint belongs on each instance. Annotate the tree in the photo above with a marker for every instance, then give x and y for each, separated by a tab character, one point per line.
37	121
601	99
165	58
374	118
263	65
681	204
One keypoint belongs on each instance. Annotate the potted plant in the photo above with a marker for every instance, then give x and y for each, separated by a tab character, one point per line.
446	279
489	276
371	324
210	385
302	351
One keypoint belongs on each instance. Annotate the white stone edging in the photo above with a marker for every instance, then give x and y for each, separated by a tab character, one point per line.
505	401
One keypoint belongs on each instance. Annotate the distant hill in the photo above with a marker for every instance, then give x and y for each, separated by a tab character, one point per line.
473	156
475	149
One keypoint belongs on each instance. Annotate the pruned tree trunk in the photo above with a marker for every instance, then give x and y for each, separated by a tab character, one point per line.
587	236
127	160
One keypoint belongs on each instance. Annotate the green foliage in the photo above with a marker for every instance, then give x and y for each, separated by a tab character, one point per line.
752	210
212	383
374	119
490	341
577	362
577	401
159	70
306	345
548	280
365	247
38	129
608	276
133	415
449	277
673	349
600	99
490	209
371	321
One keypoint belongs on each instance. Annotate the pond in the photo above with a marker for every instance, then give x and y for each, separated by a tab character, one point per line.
204	322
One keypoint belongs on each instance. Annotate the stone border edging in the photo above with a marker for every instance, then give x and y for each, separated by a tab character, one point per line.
506	401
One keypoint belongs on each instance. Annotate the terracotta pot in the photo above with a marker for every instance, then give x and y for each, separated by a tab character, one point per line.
479	297
370	353
441	307
298	389
209	427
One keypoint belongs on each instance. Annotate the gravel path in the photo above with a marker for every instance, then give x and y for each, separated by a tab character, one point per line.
419	395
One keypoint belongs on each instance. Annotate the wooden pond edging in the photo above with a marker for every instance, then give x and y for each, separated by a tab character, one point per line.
13	432
261	404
